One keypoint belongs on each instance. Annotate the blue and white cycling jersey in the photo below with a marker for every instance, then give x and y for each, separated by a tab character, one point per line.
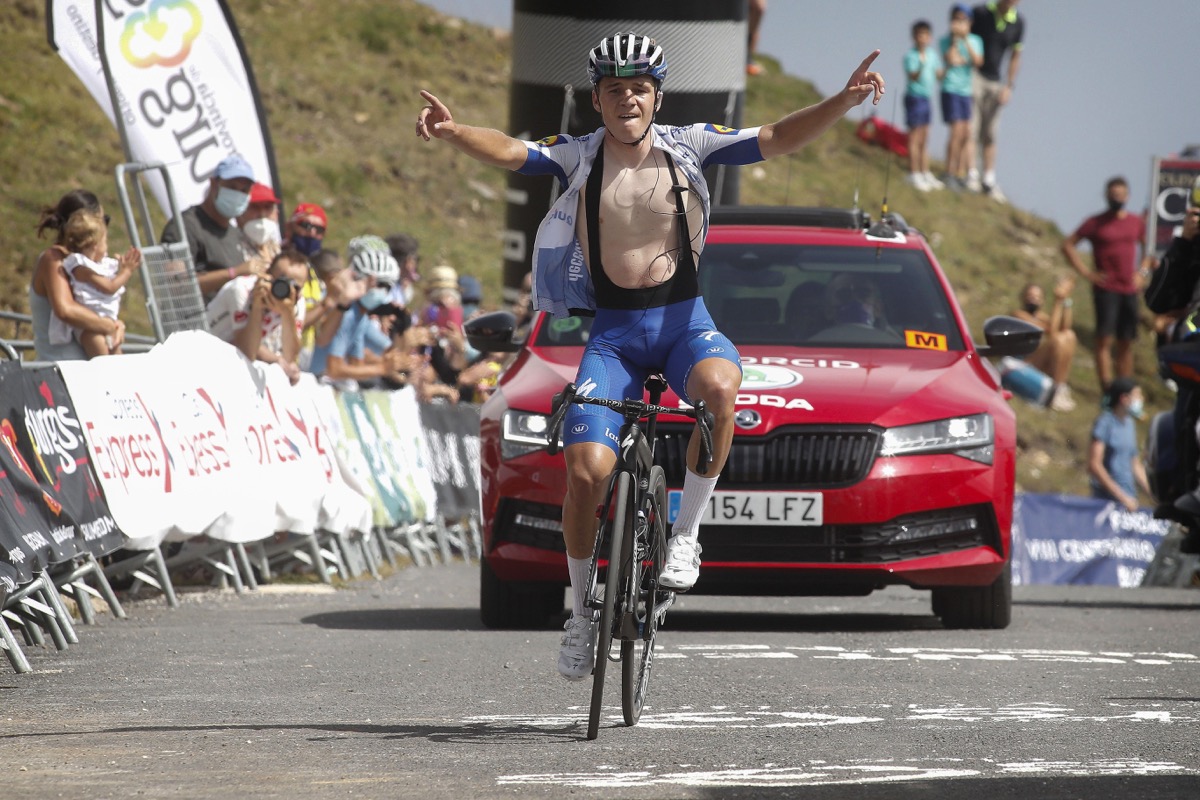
561	281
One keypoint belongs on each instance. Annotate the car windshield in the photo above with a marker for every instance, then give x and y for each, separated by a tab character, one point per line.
819	296
827	296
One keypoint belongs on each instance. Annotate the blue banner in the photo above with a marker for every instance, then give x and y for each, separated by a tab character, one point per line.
1063	539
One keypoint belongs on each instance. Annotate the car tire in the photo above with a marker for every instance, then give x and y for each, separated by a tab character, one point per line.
515	604
976	607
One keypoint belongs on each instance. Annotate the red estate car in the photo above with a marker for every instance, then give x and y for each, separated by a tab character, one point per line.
874	444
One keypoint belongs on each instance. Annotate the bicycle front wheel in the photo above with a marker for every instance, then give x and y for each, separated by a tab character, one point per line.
609	616
647	550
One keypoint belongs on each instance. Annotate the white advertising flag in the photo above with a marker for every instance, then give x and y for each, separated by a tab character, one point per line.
185	91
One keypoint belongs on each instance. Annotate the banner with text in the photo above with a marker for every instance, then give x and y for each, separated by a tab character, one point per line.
1171	182
1063	539
185	90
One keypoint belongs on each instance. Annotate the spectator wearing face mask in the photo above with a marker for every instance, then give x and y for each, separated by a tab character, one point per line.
359	349
305	232
259	224
1113	464
1057	348
214	241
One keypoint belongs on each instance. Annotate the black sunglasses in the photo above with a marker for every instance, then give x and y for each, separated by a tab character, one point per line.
308	227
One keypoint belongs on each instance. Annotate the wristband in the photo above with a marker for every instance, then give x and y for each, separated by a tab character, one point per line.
343	307
232	273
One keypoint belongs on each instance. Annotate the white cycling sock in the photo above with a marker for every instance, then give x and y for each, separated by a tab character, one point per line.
578	568
696	492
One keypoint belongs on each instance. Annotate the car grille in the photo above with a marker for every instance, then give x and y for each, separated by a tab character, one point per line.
810	457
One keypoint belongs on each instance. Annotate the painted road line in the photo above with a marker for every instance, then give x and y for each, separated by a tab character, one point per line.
817	773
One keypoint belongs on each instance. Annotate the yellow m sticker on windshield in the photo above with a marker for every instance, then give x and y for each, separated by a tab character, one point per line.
925	341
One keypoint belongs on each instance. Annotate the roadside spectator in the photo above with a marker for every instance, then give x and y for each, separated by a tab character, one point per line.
444	317
306	229
1057	349
259	224
359	350
961	51
923	67
522	307
1113	464
50	289
1115	236
754	16
261	314
324	265
215	243
1001	29
406	250
470	291
97	281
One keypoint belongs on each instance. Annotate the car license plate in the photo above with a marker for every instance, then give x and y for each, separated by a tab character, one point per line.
757	508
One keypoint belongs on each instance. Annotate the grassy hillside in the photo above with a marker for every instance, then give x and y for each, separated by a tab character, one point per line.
340	82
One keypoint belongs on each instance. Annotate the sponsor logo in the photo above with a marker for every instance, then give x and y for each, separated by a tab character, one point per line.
715	350
773	401
747	418
580	428
925	341
550	141
802	363
708	336
586	388
712	127
758	378
161	36
608	432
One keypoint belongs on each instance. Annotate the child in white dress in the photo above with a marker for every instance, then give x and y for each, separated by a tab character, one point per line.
97	281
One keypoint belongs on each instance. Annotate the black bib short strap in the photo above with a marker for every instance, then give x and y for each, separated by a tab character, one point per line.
682	285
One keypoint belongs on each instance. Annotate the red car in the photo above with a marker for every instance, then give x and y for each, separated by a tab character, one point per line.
874	444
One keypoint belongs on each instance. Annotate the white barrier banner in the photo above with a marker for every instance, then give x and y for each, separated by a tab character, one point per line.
185	90
412	450
349	452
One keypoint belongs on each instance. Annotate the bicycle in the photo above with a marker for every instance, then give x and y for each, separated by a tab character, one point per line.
633	527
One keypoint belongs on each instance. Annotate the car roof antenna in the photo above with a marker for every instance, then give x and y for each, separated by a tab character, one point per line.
883	229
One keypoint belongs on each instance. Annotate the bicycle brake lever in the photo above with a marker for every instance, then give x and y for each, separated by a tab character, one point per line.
558	411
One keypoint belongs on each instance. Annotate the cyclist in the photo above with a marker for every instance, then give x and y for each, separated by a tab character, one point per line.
623	242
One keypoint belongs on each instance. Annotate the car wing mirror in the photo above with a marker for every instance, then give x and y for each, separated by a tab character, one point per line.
1009	336
493	333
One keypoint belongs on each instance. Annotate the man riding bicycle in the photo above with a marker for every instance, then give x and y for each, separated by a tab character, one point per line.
623	242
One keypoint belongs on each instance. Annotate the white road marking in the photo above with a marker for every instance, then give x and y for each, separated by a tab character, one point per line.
816	773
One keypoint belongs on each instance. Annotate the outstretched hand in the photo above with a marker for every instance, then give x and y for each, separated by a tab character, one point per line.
863	82
434	120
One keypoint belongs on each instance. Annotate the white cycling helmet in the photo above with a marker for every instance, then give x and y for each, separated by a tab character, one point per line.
624	55
370	255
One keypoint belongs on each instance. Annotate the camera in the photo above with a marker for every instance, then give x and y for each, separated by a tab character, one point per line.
281	288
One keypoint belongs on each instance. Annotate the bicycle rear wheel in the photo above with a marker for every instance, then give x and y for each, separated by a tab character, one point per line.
618	530
647	550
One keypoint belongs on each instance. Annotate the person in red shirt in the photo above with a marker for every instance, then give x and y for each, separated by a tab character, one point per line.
1115	236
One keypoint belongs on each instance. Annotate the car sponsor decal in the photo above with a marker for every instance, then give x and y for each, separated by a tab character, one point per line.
772	401
761	377
802	363
925	341
565	325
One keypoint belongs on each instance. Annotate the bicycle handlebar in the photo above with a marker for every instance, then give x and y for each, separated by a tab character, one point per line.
632	410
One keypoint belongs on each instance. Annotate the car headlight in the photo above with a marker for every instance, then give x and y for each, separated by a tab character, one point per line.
522	432
971	437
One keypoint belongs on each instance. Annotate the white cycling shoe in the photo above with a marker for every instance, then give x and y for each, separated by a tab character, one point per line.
577	653
683	564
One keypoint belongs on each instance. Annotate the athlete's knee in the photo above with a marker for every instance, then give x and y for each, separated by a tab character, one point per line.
588	471
716	386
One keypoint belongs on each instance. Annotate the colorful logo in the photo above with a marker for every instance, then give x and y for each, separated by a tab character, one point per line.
161	36
721	129
550	141
759	378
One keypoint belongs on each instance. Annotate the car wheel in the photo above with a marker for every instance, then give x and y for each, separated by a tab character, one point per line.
976	607
515	604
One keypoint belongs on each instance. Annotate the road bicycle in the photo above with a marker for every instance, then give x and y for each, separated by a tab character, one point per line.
631	544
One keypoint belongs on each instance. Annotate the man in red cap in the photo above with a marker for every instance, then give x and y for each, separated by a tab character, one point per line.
306	233
259	224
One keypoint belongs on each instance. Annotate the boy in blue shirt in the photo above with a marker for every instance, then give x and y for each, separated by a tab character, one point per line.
923	66
962	52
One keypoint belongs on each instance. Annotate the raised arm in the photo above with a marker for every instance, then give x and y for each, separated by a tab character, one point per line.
801	127
482	144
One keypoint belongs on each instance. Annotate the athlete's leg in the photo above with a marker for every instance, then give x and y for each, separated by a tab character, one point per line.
589	466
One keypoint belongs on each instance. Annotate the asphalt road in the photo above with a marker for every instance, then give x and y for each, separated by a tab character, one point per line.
393	689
